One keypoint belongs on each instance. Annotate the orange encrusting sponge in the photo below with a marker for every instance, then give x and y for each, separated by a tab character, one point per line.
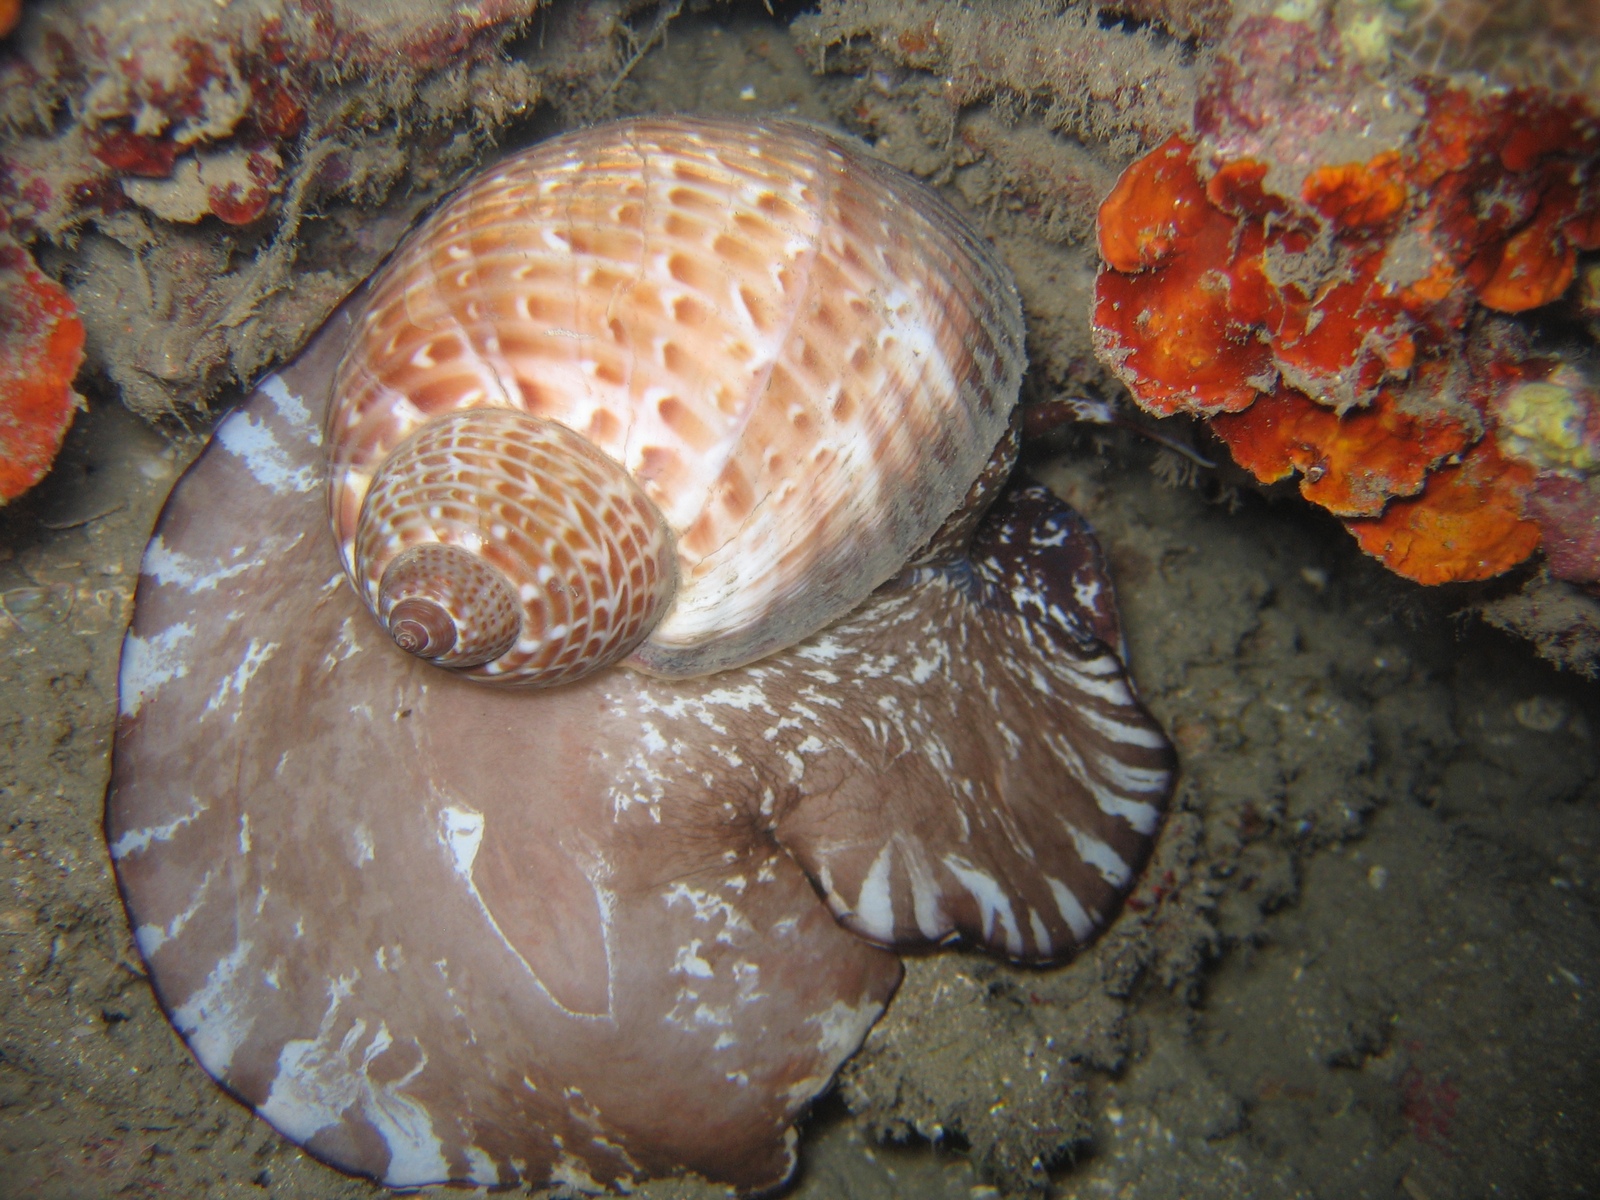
1327	332
41	348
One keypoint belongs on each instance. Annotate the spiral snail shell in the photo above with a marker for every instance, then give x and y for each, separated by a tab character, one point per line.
669	390
676	391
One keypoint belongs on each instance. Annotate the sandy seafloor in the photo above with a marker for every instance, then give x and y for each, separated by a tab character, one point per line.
1364	963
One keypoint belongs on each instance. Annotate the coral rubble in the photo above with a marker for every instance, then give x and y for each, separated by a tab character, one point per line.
1320	269
1130	89
1518	43
1186	18
208	179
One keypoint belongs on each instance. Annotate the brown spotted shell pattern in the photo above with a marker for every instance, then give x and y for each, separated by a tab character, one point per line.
680	391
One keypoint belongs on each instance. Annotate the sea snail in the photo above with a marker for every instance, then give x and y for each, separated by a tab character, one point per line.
630	926
676	391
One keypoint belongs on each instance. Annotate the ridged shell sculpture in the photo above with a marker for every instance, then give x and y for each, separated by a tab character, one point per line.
699	421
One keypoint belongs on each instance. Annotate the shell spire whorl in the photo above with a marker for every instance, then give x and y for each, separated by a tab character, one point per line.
506	547
445	604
